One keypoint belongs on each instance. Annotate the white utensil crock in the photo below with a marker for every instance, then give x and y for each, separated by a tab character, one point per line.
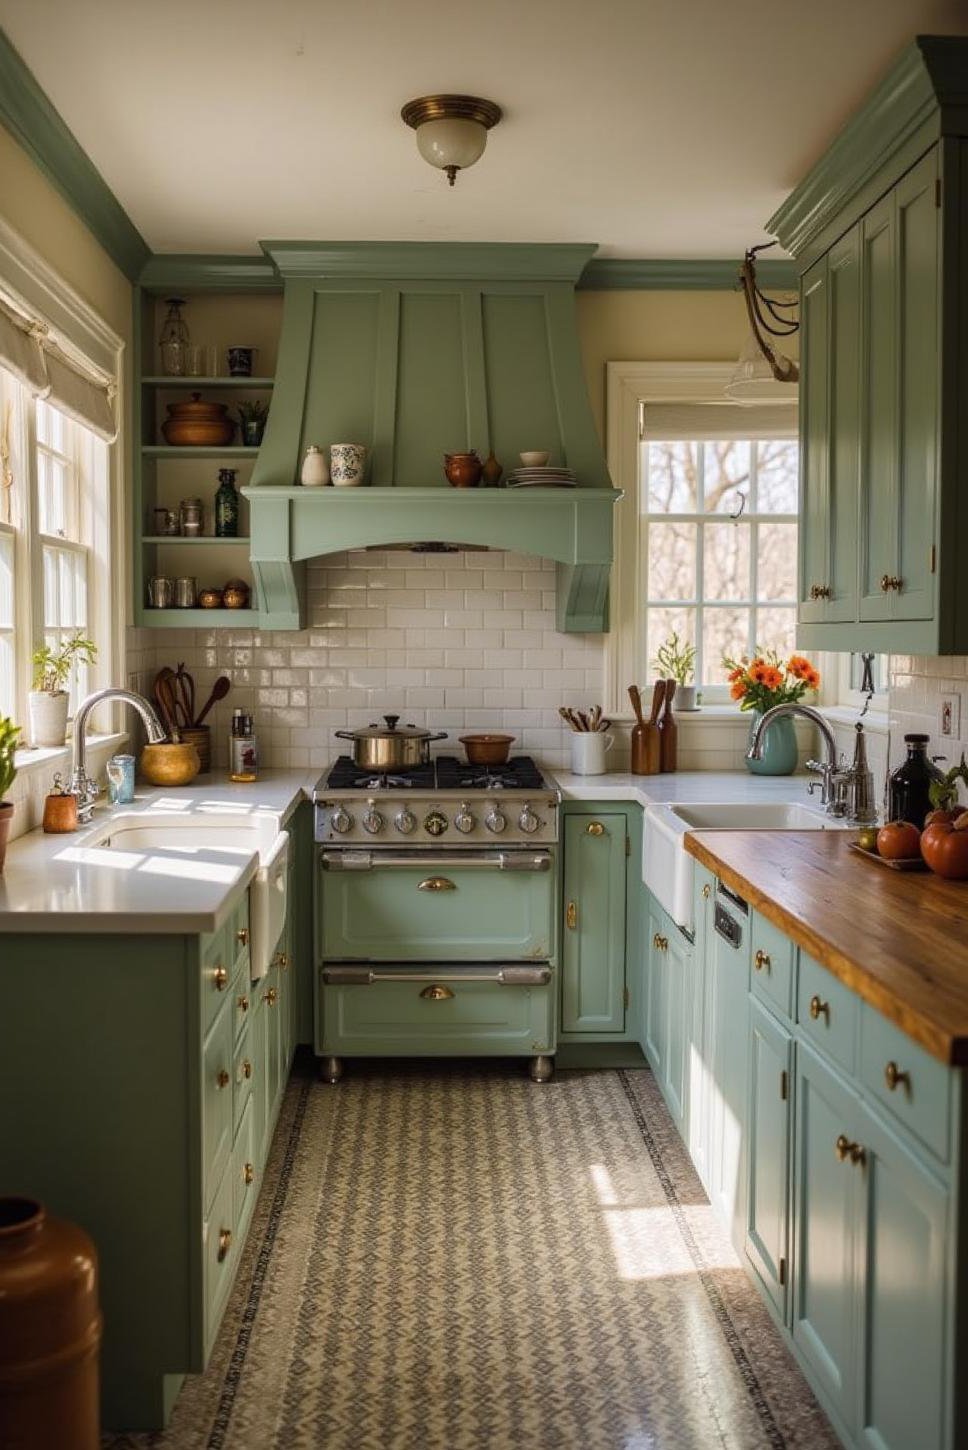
588	749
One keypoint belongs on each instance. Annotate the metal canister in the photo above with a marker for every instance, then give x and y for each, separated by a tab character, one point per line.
191	514
161	592
186	592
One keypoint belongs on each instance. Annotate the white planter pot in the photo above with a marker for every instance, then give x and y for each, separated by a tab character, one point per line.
47	717
686	697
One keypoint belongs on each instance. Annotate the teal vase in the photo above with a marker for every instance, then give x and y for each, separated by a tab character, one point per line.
780	751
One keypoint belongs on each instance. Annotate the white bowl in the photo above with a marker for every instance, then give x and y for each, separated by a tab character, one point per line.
536	458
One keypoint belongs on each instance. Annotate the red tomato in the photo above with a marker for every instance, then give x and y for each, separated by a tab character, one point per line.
933	817
946	850
898	839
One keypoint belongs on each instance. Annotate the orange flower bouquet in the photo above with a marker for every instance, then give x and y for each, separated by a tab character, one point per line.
760	683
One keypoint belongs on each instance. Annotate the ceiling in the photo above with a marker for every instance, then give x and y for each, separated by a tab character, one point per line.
658	128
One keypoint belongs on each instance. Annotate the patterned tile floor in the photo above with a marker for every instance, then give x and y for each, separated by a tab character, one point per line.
447	1257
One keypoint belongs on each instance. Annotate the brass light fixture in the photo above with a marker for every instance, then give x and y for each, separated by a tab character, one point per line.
762	365
451	130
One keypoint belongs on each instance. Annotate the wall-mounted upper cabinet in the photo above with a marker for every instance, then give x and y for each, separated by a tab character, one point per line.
878	229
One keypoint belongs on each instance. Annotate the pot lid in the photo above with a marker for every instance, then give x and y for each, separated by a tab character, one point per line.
389	731
196	409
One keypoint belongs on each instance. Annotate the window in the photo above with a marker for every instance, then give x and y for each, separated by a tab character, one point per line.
719	546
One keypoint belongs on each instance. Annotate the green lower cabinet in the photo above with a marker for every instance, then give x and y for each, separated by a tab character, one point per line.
670	995
727	1007
768	1138
594	939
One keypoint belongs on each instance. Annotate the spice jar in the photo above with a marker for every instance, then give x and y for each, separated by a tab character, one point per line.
191	515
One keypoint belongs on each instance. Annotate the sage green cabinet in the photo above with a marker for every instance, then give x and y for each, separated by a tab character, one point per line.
669	989
727	1008
593	996
768	1182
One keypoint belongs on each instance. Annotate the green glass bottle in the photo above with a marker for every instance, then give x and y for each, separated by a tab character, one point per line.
226	505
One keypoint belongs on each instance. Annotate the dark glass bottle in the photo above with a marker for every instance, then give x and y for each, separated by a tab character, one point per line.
226	505
911	781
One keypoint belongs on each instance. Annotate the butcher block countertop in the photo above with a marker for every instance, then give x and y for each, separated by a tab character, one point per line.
899	939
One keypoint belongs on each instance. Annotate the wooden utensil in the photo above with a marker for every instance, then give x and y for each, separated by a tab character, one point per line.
185	693
219	691
668	730
635	697
165	700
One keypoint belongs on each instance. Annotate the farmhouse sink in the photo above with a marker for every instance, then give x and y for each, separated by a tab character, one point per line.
178	834
668	870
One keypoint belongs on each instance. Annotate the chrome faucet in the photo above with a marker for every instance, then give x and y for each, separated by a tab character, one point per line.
82	785
831	797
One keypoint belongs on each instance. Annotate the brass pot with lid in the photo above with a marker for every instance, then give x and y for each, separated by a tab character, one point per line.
387	747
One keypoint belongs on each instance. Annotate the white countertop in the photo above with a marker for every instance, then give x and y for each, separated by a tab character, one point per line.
60	884
683	787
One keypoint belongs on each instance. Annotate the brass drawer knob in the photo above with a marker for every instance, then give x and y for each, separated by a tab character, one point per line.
224	1243
705	892
819	1009
436	992
885	583
271	997
243	1003
282	960
246	1068
571	915
660	943
248	1173
761	960
895	1078
594	828
221	979
436	883
845	1149
222	1078
242	936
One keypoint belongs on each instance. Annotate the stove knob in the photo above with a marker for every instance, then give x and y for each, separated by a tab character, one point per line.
495	821
405	821
372	820
435	824
528	821
340	821
463	820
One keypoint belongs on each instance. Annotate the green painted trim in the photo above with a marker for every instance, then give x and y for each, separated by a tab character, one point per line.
926	86
31	119
201	272
432	261
581	604
643	274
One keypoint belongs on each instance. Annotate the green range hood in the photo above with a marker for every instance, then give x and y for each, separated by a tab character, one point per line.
417	349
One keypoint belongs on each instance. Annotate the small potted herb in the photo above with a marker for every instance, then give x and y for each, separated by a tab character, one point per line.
675	659
9	736
252	421
48	700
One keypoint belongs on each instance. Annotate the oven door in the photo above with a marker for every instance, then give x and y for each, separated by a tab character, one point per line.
469	906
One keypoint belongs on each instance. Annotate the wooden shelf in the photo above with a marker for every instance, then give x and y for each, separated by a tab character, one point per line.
166	450
161	381
199	618
180	539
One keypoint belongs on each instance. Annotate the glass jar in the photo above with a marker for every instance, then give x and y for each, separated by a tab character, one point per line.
174	340
191	518
911	782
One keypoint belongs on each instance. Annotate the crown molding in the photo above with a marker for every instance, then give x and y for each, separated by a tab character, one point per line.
432	261
611	274
31	119
205	272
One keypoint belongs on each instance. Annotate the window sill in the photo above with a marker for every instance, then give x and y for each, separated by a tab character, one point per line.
44	757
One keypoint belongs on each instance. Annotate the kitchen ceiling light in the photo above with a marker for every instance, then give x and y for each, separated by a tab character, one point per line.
764	374
451	130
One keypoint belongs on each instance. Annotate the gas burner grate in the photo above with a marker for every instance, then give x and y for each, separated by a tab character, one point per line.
444	773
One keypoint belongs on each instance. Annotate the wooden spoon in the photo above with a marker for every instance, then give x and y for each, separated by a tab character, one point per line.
635	696
658	695
219	691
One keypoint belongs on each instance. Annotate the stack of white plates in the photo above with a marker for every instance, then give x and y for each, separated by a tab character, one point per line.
547	477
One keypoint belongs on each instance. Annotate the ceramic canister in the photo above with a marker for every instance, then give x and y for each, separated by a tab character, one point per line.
588	749
347	462
315	470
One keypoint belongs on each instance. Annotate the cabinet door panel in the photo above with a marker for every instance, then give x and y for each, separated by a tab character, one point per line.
918	264
844	443
814	507
728	997
656	1028
593	951
678	999
768	1182
879	467
826	1210
904	1304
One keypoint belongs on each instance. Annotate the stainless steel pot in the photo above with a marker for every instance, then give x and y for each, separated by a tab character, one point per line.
384	747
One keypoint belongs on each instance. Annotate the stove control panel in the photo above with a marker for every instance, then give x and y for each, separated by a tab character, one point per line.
423	819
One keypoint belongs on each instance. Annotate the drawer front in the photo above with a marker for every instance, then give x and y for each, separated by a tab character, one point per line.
216	1103
440	1017
244	1170
827	1012
437	913
773	956
242	1077
218	969
220	1254
911	1084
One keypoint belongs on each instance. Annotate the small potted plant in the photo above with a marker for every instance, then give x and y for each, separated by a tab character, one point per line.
48	700
676	660
759	684
252	422
9	736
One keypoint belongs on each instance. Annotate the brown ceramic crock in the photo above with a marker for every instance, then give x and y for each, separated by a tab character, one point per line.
463	470
198	425
487	749
50	1330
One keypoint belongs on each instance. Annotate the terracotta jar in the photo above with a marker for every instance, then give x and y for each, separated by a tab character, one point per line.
50	1330
463	470
198	425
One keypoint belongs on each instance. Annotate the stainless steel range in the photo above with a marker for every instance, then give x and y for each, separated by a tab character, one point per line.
437	908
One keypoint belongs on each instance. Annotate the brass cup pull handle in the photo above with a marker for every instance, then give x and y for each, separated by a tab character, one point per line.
895	1078
845	1148
436	992
221	979
660	943
242	936
243	1003
819	1009
436	883
222	1078
248	1173
571	916
819	591
594	828
706	892
224	1243
891	581
246	1068
761	960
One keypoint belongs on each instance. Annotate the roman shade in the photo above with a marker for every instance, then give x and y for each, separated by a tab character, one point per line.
21	353
674	422
74	392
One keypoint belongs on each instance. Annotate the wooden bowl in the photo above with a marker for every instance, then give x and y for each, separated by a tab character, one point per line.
196	424
169	764
487	749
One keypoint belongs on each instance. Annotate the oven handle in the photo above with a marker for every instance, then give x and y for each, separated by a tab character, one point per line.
361	976
350	860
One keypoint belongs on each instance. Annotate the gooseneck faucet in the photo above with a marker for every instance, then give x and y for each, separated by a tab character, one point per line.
830	797
81	784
